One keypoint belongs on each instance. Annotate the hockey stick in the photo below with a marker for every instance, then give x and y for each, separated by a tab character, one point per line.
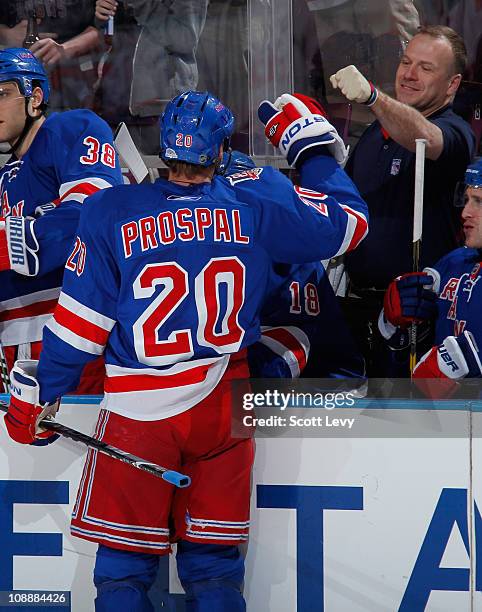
127	150
171	476
4	371
417	232
346	127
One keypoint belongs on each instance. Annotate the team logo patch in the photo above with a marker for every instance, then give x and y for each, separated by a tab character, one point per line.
395	169
471	280
12	172
171	154
475	272
252	174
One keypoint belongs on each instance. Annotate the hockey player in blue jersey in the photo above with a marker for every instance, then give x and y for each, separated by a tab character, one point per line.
303	332
449	295
168	280
56	163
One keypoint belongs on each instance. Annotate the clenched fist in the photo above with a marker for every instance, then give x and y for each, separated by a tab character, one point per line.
354	86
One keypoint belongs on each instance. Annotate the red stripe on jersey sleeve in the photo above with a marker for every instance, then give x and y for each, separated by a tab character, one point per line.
80	326
360	229
32	310
86	189
290	341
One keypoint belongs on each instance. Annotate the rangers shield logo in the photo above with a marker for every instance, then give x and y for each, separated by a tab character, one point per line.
395	169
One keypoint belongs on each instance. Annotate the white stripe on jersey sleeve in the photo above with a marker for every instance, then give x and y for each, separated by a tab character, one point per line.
74	340
92	316
81	189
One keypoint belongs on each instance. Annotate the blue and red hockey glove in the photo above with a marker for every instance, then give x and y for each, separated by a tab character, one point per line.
439	371
25	410
408	299
296	123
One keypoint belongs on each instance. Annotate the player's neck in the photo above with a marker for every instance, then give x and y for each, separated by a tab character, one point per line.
205	175
29	138
190	182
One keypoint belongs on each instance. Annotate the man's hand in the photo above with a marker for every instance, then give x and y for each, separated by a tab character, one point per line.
408	299
25	411
296	123
48	51
354	86
105	9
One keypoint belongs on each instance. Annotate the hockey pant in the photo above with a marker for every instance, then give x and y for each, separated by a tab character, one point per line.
211	574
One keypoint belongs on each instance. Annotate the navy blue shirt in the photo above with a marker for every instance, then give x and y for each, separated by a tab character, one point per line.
384	173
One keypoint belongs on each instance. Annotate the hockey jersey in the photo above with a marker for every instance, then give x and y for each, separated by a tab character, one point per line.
457	284
303	332
459	288
169	280
301	320
71	157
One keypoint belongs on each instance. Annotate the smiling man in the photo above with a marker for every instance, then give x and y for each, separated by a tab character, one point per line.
383	168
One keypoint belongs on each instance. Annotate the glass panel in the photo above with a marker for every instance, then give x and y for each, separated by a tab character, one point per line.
222	58
242	50
271	65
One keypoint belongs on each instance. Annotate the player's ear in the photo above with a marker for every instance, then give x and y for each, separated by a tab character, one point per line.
35	102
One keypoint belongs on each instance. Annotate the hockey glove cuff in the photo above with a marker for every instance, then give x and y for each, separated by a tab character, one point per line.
25	410
296	123
398	338
22	245
454	359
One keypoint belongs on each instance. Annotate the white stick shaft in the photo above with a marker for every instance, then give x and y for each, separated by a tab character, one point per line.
419	179
127	150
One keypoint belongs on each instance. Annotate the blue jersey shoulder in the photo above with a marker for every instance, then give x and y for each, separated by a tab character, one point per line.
75	141
455	258
75	122
117	201
260	187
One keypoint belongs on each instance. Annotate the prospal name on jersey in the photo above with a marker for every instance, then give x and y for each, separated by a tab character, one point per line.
186	224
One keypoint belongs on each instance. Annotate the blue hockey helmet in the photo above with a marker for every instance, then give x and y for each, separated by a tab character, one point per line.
21	66
194	125
473	174
472	178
